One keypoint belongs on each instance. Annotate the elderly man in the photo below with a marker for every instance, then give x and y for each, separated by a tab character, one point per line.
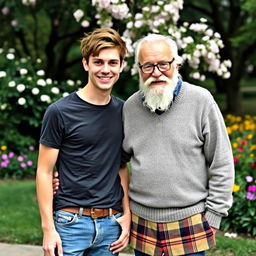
180	154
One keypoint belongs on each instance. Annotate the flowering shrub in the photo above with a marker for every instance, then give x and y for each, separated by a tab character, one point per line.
242	215
17	166
25	93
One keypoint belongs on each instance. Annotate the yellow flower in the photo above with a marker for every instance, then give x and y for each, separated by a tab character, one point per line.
249	136
251	155
3	147
229	130
236	188
235	144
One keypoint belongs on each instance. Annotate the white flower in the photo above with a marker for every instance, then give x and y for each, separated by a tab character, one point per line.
203	20
114	1
70	82
11	84
23	71
226	75
65	94
23	60
78	14
2	74
20	87
35	91
138	24
85	23
49	81
40	72
3	106
188	40
1	50
227	63
10	56
55	90
21	101
45	98
38	60
41	82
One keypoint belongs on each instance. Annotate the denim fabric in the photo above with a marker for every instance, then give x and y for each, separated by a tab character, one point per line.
137	253
84	236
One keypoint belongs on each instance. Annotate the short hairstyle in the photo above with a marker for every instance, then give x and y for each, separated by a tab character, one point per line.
102	38
157	37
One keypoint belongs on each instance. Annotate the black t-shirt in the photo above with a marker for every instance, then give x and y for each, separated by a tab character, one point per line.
89	139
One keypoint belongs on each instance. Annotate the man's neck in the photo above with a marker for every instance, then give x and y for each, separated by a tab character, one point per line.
94	96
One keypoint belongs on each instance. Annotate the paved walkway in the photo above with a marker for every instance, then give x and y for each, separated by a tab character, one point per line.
26	250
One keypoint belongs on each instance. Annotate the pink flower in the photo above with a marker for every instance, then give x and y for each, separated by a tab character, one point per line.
23	165
252	188
29	163
253	165
4	156
244	142
20	158
31	148
250	196
236	159
5	10
240	149
4	164
11	155
14	23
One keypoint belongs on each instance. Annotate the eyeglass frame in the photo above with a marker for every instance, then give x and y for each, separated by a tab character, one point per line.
156	65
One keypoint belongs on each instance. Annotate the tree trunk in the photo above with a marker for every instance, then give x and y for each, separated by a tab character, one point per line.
233	97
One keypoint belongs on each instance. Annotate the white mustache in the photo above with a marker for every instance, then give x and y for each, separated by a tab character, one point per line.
154	79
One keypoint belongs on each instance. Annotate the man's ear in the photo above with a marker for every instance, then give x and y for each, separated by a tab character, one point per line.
84	62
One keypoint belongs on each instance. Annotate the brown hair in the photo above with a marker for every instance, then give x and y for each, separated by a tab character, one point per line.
102	38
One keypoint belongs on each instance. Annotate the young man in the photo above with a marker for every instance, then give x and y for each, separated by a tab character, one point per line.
82	136
181	158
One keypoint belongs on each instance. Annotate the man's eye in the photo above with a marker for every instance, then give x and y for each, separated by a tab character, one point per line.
147	66
97	62
163	64
114	63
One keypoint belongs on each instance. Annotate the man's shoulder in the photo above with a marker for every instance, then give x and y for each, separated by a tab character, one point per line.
132	99
197	91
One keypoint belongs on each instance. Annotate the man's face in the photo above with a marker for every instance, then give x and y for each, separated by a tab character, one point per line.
104	69
157	87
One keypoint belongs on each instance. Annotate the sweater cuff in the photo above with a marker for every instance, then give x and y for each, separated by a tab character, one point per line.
213	219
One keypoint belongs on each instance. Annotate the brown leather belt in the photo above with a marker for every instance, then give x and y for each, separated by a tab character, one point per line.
92	212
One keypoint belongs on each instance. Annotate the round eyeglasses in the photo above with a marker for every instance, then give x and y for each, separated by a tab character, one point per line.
162	66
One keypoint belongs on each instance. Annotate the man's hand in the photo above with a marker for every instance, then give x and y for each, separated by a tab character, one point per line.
55	182
52	242
123	240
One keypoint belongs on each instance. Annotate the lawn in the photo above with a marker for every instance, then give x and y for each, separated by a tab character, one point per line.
20	221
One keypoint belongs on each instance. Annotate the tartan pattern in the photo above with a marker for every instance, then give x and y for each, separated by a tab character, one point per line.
189	235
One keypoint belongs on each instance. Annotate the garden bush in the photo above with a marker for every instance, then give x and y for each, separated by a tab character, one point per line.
25	93
242	215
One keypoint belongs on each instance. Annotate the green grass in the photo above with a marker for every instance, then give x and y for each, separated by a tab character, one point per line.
19	218
20	222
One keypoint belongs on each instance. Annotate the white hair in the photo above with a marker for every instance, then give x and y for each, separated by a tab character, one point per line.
156	37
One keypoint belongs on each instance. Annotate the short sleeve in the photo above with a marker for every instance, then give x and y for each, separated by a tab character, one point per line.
52	130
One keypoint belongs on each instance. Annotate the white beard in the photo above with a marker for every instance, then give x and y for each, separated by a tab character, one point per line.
157	97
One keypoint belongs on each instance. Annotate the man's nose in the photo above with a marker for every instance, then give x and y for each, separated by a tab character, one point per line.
156	72
106	68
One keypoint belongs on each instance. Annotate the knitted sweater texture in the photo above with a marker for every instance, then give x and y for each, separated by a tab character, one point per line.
181	160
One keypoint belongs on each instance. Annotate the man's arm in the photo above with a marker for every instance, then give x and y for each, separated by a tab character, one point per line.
125	220
46	161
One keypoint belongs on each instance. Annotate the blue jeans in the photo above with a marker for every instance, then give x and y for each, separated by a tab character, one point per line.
84	236
137	253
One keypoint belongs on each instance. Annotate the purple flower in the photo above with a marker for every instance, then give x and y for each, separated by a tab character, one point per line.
5	10
250	196
31	148
252	188
29	163
4	156
23	165
4	164
20	158
11	155
249	178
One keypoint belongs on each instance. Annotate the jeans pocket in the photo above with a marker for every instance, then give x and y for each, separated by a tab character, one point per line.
115	217
63	218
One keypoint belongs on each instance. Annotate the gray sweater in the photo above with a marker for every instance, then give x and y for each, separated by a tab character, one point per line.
181	160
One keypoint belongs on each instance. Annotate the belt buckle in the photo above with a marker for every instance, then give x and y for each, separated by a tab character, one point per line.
92	214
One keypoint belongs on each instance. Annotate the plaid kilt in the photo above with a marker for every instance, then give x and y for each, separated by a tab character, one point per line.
189	235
